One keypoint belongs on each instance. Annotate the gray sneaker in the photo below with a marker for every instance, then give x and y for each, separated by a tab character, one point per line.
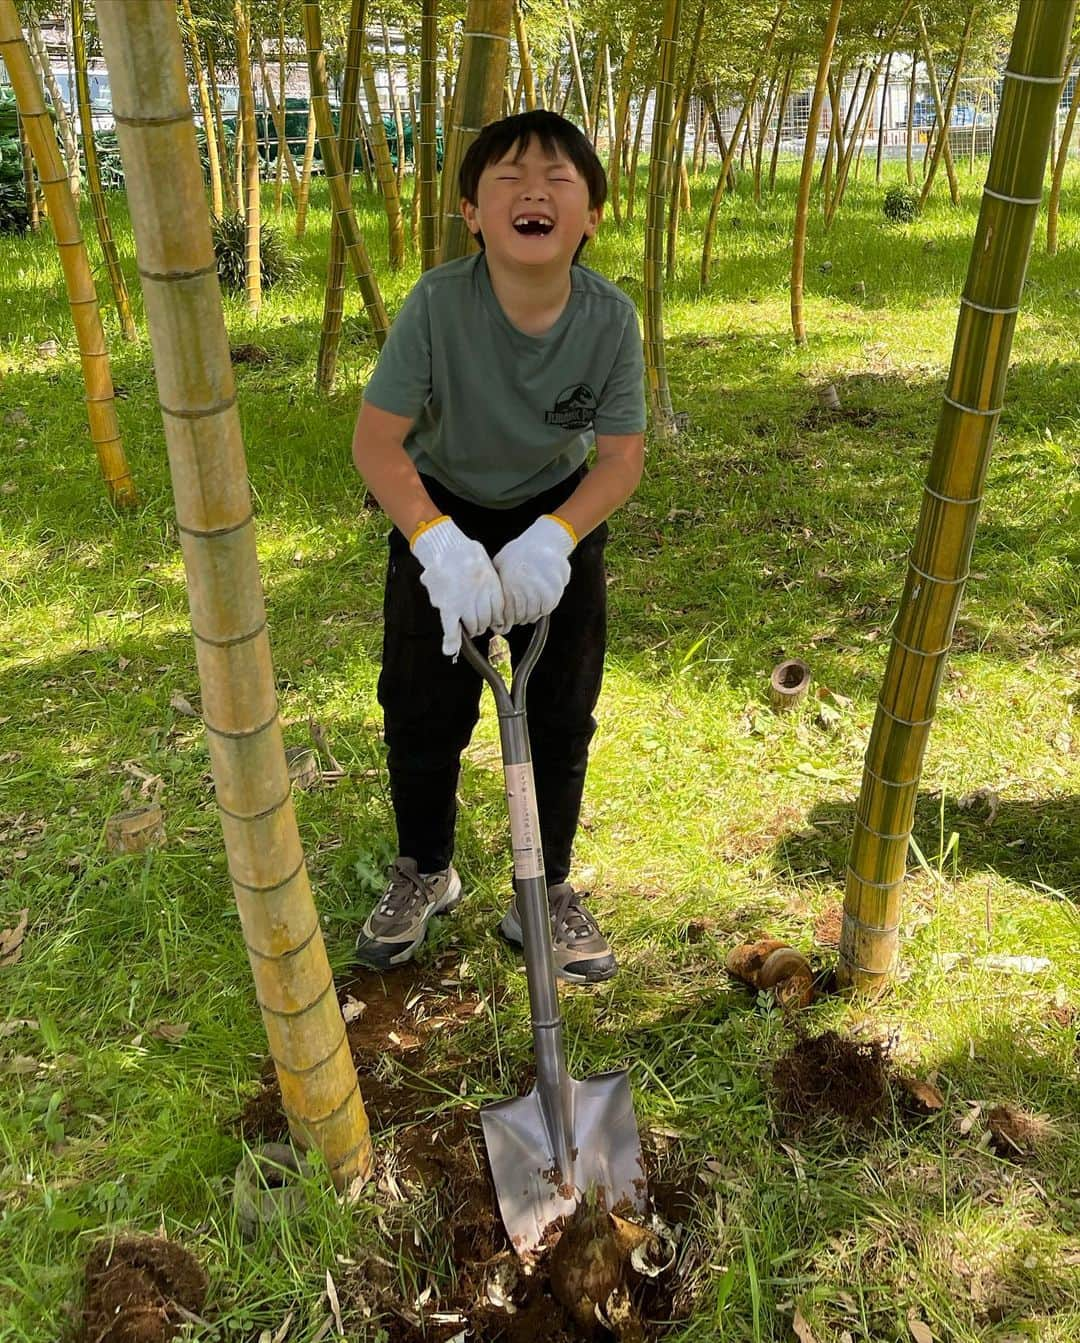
582	954
398	923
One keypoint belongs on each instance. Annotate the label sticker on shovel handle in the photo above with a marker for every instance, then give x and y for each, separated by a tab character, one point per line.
524	823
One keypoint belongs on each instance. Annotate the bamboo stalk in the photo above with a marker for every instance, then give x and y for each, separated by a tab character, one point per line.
217	192
802	205
78	278
63	121
682	120
881	118
941	553
339	187
429	203
93	176
525	58
33	210
252	199
303	196
785	94
485	43
575	63
659	177
758	153
277	115
942	141
283	144
395	106
1053	204
384	168
597	88
228	186
294	984
635	154
621	116
910	127
728	156
939	111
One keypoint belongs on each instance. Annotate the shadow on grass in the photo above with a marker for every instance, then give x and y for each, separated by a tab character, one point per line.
1033	843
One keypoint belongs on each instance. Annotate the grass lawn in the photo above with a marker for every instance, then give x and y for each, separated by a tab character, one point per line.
763	532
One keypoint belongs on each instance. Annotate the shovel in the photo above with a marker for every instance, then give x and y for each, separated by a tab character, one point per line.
565	1138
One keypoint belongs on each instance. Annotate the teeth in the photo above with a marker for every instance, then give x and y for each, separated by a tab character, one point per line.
533	219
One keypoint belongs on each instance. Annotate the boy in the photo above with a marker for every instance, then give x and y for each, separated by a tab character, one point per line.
473	437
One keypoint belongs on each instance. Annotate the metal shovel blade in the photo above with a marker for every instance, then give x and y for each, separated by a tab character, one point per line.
606	1156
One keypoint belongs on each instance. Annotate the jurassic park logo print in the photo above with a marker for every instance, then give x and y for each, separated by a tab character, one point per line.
575	408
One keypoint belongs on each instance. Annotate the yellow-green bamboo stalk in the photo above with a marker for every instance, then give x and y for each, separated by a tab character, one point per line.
283	147
252	198
785	94
575	62
1053	204
659	178
348	131
802	204
78	279
33	210
728	157
941	553
622	113
217	191
428	164
635	151
63	121
939	111
395	105
294	984
525	59
942	141
228	188
277	115
93	176
485	43
343	213
681	121
384	168
304	194
757	152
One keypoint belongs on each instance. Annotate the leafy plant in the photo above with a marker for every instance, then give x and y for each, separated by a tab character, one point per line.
276	263
13	214
901	205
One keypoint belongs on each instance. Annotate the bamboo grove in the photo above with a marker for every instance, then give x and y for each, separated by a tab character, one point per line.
667	94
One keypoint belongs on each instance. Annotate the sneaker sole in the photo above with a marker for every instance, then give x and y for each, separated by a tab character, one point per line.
510	931
368	954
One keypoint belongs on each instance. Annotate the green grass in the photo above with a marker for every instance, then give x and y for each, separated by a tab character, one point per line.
755	536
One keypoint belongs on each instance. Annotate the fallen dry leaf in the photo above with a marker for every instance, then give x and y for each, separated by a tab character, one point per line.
971	1118
16	1024
181	705
335	1305
171	1031
20	1064
803	1332
920	1330
352	1009
11	939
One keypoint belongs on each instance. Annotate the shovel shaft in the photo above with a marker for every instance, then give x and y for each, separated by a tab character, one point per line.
552	1080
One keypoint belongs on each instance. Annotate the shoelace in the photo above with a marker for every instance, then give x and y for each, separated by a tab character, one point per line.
568	914
405	890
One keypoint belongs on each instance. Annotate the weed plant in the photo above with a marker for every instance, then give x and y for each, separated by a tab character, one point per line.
764	531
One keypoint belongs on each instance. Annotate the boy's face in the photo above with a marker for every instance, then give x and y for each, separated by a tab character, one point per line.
533	209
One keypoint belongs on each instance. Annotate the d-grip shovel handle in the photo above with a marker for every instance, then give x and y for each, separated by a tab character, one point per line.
512	699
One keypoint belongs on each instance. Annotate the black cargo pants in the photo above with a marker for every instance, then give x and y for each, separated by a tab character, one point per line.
431	704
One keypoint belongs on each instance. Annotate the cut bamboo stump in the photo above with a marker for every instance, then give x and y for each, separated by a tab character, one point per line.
829	399
136	830
788	684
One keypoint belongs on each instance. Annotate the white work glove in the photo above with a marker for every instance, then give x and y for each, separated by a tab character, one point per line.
460	580
535	569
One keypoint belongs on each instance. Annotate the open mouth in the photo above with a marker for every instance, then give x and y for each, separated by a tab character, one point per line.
533	226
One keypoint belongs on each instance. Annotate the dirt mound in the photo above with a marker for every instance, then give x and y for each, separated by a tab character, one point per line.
134	1287
829	1075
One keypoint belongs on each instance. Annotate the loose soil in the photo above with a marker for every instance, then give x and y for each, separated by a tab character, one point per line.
442	1159
829	1075
133	1287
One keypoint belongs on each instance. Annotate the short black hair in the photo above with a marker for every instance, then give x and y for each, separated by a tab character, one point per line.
553	132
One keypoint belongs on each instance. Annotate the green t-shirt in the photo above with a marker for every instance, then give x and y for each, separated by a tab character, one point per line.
499	416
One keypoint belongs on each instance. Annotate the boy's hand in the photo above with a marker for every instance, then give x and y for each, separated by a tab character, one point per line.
535	569
460	580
